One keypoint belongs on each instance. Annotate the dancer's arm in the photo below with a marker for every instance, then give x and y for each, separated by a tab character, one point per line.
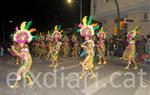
83	46
14	50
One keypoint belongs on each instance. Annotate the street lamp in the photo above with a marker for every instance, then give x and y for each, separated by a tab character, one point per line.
80	2
10	21
69	1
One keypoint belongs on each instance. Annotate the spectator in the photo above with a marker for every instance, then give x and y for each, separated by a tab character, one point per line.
1	51
140	46
110	50
147	49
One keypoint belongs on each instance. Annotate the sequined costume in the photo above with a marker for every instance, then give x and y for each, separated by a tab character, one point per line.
129	53
87	31
22	37
101	46
56	46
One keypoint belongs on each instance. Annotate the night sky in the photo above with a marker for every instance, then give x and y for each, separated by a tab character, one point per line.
44	13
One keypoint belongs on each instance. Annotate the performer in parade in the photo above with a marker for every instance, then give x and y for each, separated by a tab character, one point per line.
130	51
49	40
101	46
42	46
76	46
87	31
65	46
22	37
56	46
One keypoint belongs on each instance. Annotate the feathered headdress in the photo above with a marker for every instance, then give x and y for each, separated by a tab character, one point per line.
132	33
49	36
57	32
41	37
87	28
23	35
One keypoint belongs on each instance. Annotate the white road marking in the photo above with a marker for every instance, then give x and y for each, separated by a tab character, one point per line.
62	68
94	87
72	76
143	91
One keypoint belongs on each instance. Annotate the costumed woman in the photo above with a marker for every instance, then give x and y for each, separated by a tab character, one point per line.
65	46
49	40
56	46
75	47
101	46
87	31
129	53
42	46
22	37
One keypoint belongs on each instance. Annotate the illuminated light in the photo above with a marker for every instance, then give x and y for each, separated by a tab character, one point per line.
69	1
10	21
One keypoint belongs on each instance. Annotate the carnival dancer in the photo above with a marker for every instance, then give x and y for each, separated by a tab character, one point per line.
129	53
87	31
56	46
49	40
101	46
42	46
33	45
37	48
65	46
75	47
22	37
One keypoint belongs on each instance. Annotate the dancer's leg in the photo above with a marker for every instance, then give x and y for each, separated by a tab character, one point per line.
30	82
19	72
92	72
129	63
135	64
83	72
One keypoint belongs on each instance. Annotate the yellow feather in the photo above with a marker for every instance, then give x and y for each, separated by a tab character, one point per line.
101	30
56	27
48	32
23	25
84	20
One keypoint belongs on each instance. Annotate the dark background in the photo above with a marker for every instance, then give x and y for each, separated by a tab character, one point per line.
44	14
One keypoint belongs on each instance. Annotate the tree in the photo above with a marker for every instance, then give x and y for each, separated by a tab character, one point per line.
118	16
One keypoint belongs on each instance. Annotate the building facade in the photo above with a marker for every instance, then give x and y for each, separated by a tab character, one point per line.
136	10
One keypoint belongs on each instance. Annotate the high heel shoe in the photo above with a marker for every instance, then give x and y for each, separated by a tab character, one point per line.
93	76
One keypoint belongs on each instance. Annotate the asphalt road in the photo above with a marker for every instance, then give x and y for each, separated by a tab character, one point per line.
112	78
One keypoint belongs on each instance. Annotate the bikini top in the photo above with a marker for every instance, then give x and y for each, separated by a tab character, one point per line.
132	42
24	50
